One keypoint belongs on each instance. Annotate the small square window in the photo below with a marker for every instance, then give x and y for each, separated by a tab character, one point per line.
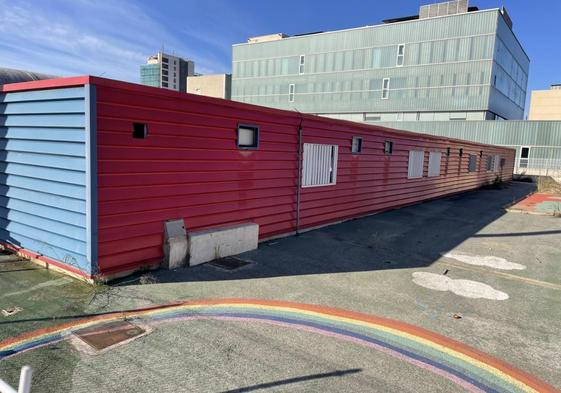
388	147
139	130
248	137
357	144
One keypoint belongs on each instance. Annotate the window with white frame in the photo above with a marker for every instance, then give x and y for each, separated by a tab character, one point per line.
319	165
291	91
400	55
435	158
301	64
385	88
416	164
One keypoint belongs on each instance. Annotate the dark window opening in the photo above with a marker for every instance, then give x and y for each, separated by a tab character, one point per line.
481	153
525	152
461	152
489	163
165	59
139	130
388	147
165	78
447	151
164	84
356	146
472	164
248	137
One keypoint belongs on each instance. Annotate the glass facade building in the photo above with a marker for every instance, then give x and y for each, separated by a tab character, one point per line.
465	66
167	72
150	75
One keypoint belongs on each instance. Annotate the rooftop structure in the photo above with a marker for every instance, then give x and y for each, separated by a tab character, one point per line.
217	85
9	75
546	104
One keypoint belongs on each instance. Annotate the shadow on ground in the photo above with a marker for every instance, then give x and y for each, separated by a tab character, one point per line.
410	237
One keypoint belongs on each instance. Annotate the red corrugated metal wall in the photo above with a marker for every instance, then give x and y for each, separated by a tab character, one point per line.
189	167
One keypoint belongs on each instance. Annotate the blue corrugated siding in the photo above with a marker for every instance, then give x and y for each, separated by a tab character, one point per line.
43	173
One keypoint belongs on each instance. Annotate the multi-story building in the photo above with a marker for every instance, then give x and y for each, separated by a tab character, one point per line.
546	104
216	85
166	71
450	62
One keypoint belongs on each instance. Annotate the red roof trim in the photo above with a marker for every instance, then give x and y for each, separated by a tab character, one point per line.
46	84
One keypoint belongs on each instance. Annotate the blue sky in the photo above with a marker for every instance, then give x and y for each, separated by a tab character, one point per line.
112	38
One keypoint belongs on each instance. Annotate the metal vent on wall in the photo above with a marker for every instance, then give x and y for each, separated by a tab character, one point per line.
319	165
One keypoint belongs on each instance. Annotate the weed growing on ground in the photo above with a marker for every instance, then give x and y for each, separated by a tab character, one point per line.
147	279
496	184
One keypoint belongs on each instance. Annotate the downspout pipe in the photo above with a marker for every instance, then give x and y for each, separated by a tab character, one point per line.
299	182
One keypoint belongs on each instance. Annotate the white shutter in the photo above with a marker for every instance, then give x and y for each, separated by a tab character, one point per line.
434	163
416	162
319	165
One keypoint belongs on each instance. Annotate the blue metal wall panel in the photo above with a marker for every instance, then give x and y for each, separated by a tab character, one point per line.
43	173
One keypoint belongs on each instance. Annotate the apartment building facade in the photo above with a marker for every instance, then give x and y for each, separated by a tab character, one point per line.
166	71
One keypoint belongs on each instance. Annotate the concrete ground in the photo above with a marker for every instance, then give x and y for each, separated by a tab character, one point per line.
460	266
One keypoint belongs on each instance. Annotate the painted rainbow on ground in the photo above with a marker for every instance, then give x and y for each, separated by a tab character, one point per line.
465	366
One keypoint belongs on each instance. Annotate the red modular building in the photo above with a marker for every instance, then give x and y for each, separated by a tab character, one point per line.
93	168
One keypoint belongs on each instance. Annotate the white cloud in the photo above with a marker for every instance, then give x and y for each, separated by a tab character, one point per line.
90	37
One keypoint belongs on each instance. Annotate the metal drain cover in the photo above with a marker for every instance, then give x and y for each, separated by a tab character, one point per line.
229	263
109	334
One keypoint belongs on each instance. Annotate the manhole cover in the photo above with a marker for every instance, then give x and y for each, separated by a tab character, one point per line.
109	334
229	263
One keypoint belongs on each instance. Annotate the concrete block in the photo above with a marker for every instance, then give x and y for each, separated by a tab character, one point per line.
210	244
175	244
